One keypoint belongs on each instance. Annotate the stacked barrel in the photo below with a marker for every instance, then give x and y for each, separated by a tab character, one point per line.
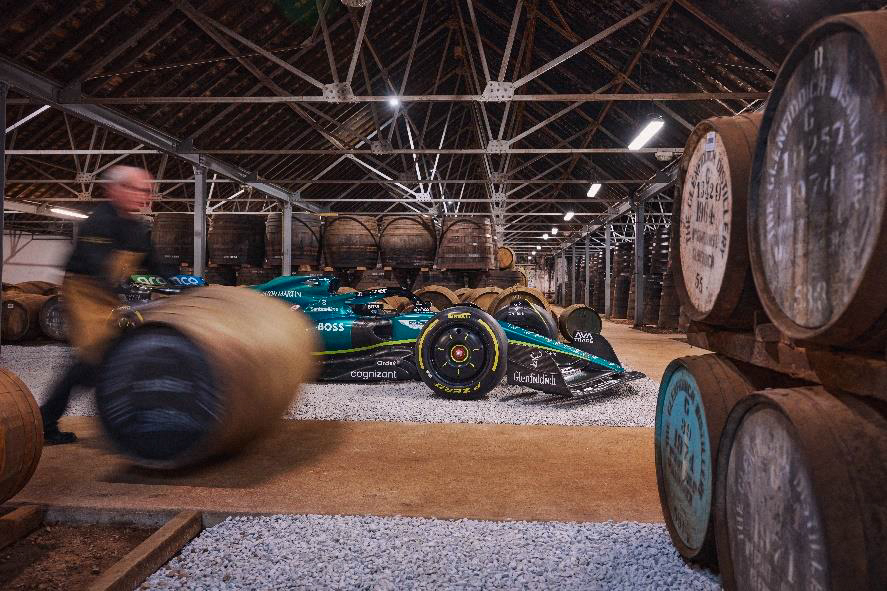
620	280
32	310
783	222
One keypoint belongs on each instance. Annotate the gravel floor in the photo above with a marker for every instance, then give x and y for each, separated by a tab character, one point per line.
633	404
334	552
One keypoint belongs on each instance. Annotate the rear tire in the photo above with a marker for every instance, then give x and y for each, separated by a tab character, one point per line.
462	353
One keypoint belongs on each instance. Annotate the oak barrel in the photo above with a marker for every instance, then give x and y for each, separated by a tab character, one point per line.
504	258
579	320
305	239
462	293
466	243
172	235
696	395
712	275
206	372
236	239
21	435
438	296
225	275
669	307
483	297
799	495
351	241
529	294
817	215
38	287
407	242
21	315
52	319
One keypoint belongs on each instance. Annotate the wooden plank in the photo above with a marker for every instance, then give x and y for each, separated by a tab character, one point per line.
856	373
131	570
19	523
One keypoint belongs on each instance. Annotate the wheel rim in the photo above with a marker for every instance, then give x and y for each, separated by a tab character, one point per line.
458	354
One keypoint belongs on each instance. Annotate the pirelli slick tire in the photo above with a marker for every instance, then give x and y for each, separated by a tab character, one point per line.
462	353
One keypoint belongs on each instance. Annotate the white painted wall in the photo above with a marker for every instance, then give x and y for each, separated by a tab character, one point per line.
29	257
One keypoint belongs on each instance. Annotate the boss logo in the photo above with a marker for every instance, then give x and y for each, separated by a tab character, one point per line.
330	326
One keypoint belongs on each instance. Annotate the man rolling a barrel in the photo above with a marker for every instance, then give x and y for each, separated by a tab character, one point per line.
112	243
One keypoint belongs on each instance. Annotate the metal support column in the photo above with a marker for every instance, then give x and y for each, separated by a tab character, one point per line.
4	88
608	242
286	249
639	263
573	276
585	296
199	220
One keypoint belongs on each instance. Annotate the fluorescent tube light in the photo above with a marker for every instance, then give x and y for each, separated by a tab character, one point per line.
594	189
569	216
646	134
68	212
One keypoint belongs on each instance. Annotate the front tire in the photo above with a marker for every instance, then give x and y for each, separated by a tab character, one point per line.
462	353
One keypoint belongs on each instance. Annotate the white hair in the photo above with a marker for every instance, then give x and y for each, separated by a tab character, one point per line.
119	173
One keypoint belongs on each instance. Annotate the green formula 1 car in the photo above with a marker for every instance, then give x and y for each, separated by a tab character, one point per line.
460	352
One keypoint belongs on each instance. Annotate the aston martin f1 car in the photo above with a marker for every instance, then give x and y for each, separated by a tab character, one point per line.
459	352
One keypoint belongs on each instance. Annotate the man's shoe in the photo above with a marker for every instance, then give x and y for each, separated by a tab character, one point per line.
56	437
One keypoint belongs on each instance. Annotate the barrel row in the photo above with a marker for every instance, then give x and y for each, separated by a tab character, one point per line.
341	241
782	218
32	310
783	213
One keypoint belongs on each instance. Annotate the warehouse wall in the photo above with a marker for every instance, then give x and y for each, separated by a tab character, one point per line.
28	257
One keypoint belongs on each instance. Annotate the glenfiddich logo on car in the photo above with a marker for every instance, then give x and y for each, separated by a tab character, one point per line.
534	378
584	337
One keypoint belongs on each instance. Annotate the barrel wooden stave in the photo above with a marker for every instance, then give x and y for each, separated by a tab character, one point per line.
483	297
438	296
504	258
466	244
712	275
52	319
696	395
305	239
173	238
21	431
801	475
235	240
351	241
407	241
530	294
817	211
239	334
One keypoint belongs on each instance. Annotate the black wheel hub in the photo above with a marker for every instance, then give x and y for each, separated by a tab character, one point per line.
458	354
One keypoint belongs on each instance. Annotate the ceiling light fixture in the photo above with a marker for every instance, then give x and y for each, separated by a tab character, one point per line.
554	231
545	237
594	189
68	212
538	247
647	134
569	216
394	101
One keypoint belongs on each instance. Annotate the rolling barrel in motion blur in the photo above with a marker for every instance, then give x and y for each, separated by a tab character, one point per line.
800	493
818	188
173	238
407	242
208	371
712	274
21	435
53	322
305	239
351	241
